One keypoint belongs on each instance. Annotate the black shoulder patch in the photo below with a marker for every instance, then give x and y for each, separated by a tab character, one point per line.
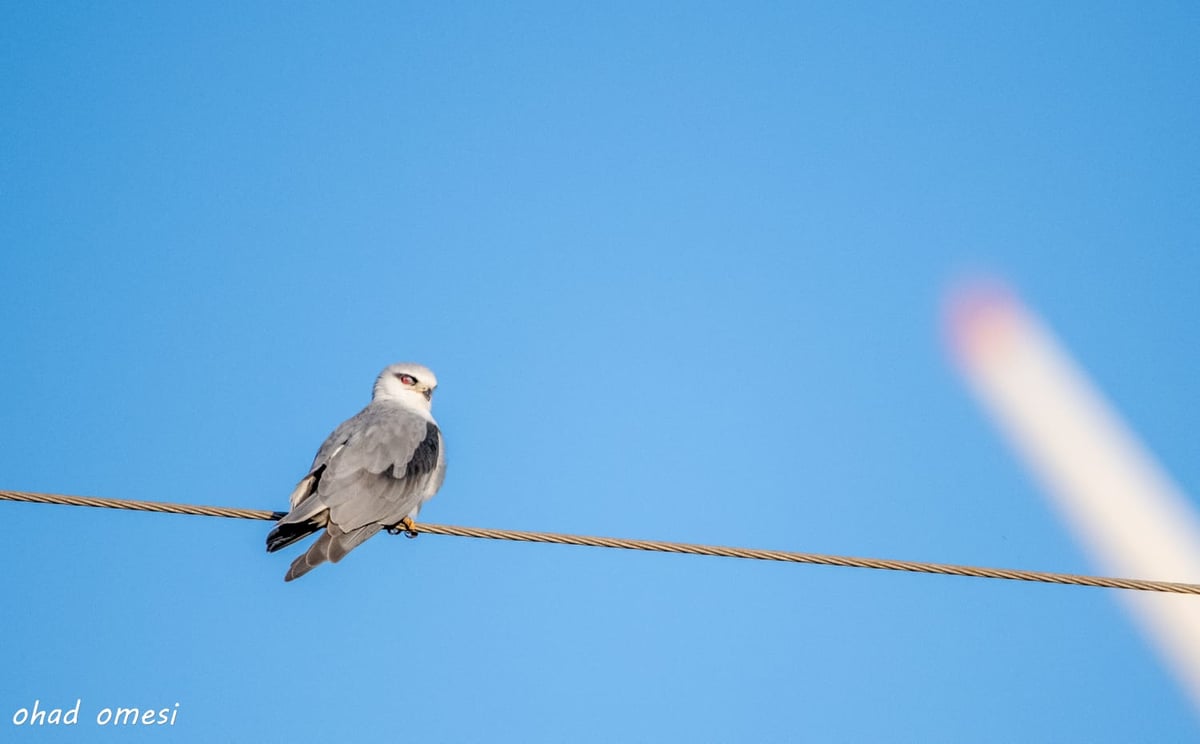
425	458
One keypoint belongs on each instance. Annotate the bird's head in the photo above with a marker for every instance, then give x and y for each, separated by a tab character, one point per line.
406	382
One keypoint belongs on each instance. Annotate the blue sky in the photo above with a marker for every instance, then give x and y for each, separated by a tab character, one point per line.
680	269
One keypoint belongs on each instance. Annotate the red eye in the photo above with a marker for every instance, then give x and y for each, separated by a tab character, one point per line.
407	379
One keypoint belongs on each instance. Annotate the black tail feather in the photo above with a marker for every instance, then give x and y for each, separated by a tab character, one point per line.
287	533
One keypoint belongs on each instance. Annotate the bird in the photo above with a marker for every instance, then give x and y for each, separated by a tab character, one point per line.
374	471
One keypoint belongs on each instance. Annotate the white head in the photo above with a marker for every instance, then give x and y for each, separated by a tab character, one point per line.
407	383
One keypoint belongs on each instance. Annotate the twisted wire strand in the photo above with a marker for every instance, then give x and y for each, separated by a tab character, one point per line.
947	569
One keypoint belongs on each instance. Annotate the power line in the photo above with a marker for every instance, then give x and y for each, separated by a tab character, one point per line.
1045	577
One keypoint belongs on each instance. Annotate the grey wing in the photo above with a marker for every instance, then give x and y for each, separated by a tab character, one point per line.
308	484
385	469
330	447
308	513
340	436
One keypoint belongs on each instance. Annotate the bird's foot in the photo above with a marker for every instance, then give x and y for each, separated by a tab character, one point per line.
406	527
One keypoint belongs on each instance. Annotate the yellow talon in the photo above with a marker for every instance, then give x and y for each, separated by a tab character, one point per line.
409	527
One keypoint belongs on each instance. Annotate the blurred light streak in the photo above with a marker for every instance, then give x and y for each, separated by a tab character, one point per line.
1120	504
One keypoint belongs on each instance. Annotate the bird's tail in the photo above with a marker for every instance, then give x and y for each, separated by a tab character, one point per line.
331	546
305	518
289	532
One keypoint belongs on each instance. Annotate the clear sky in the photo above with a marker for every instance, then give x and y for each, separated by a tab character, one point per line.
680	269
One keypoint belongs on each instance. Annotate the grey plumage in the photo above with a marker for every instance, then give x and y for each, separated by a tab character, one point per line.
373	471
